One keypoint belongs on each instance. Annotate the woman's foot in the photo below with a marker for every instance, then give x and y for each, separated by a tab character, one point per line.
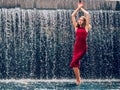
78	82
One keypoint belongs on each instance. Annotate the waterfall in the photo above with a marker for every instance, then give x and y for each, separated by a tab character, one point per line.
103	59
35	43
39	44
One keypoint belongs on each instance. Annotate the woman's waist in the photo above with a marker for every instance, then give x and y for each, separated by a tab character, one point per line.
80	42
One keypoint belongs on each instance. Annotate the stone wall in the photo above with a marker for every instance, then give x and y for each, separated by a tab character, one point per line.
60	4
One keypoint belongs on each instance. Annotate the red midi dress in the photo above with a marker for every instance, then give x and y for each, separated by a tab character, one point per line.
80	47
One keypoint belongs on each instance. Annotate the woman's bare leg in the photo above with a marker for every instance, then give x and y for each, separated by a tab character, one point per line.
77	74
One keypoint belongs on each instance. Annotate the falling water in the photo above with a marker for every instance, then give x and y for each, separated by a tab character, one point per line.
35	43
39	43
103	59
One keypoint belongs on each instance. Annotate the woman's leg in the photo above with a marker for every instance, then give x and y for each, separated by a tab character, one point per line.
77	74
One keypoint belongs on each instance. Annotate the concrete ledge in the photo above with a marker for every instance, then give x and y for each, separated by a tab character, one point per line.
61	4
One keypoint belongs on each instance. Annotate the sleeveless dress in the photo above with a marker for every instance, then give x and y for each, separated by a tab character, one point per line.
80	47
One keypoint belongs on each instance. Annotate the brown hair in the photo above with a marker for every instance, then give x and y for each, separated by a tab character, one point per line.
84	23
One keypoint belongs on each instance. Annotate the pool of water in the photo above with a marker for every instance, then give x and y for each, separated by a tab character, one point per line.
54	84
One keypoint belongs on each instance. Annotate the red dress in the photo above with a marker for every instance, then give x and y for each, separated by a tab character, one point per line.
80	47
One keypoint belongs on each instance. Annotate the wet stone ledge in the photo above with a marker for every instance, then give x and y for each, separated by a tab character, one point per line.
61	4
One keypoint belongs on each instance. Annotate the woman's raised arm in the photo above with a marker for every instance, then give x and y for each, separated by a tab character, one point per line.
87	15
80	5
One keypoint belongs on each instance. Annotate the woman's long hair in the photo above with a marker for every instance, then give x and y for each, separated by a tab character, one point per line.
84	23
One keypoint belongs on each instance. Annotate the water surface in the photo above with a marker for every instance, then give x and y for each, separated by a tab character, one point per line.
28	84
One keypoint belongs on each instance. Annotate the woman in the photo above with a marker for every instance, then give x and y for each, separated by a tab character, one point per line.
81	29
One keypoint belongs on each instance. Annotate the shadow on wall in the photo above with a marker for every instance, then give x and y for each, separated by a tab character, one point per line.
61	4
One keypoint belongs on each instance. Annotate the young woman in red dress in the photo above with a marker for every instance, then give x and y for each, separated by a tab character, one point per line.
82	25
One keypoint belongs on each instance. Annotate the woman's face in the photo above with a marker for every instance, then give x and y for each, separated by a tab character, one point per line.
81	20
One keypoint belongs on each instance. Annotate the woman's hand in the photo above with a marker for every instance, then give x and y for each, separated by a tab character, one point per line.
80	5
